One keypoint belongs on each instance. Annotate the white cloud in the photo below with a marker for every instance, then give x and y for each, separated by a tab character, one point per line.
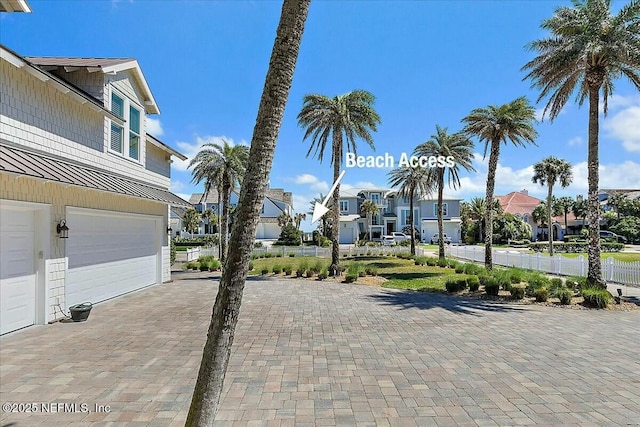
154	127
575	141
539	113
177	186
190	149
316	184
184	196
619	101
625	126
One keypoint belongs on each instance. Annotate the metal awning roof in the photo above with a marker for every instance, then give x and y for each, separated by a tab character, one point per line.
16	161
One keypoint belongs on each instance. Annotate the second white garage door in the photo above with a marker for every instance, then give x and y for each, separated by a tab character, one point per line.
110	254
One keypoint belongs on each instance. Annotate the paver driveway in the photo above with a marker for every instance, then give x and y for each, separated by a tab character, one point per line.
310	353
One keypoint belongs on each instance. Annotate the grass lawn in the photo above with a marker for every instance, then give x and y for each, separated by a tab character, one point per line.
620	256
400	273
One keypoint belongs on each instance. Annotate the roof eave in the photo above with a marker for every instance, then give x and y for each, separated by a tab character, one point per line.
156	142
149	103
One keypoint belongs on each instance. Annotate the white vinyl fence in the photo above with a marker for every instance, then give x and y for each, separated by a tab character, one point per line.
627	273
313	251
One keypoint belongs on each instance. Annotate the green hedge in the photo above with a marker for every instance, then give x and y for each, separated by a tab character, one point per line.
575	247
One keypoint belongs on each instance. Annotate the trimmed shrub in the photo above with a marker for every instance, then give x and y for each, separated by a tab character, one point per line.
278	255
317	267
517	291
474	283
541	294
277	269
456	285
421	260
287	270
443	263
556	283
268	255
432	262
596	297
292	255
204	266
264	271
575	246
564	295
190	265
350	278
491	287
323	274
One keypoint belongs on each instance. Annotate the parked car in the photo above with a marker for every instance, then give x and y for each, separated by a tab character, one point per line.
388	241
435	238
399	236
604	234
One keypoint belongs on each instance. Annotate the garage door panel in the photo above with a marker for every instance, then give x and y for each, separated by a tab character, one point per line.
110	255
17	269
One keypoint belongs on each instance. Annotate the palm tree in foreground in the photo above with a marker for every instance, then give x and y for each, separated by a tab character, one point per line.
343	118
495	125
217	349
587	50
412	182
550	171
456	147
224	164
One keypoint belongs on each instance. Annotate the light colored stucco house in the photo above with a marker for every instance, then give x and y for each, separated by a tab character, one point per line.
276	202
521	205
84	196
393	214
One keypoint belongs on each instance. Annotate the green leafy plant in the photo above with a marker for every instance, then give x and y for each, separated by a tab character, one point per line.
596	297
288	270
491	287
420	260
350	278
455	285
517	291
541	294
264	271
277	269
564	295
323	274
474	283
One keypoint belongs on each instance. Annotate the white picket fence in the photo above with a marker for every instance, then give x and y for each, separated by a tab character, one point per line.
627	273
312	251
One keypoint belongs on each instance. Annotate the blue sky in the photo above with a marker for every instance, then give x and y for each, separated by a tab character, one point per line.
427	63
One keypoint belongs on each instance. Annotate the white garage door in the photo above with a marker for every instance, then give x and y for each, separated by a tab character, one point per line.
110	254
17	270
346	235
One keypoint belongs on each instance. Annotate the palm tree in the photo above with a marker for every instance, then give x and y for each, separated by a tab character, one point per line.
494	125
298	218
550	171
217	349
412	182
478	211
369	209
565	204
456	147
209	217
580	209
191	220
587	50
343	118
325	219
224	164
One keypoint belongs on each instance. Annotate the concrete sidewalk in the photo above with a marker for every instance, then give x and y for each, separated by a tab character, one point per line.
317	353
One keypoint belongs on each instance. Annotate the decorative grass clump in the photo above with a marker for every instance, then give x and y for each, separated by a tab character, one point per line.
541	294
277	269
474	283
459	269
517	291
473	269
432	262
323	274
264	271
556	283
287	270
350	278
421	260
455	285
371	271
564	295
491	287
443	263
204	266
516	276
536	281
250	265
596	297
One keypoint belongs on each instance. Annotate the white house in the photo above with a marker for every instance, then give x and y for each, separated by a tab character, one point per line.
276	202
84	197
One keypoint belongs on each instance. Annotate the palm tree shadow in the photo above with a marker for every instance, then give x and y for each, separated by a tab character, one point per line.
406	300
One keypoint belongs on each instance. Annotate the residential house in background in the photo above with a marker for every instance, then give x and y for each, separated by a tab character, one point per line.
84	189
394	215
521	205
276	202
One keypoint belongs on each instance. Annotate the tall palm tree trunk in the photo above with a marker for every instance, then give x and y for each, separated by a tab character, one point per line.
412	194
224	225
594	274
549	201
335	227
491	182
219	227
217	349
480	228
440	222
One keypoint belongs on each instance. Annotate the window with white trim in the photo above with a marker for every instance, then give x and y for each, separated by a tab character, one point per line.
344	206
125	139
445	209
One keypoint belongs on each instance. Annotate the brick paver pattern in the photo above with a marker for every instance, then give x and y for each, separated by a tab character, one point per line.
314	353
